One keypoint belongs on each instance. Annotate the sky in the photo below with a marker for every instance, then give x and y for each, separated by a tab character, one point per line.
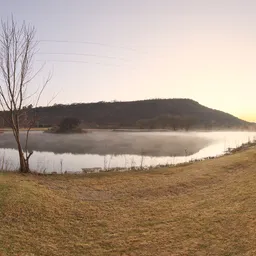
105	50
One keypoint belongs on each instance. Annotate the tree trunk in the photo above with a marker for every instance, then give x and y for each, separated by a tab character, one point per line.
24	166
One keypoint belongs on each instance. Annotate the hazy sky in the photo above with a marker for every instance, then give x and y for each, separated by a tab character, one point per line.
140	49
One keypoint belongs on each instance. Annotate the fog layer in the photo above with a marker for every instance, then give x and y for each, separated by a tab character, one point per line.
113	143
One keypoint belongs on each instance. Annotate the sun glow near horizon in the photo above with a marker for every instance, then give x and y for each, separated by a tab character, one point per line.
248	118
197	49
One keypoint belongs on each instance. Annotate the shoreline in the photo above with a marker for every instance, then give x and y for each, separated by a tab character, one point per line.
99	170
229	151
142	162
136	130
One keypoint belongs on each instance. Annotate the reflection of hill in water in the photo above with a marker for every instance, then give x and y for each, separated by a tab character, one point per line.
103	143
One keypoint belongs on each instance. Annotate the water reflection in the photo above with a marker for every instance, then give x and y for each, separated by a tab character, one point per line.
113	143
163	148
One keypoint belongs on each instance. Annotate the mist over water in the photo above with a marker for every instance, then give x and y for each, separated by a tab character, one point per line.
112	143
106	149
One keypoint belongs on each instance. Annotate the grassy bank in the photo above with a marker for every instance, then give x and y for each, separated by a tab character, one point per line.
205	208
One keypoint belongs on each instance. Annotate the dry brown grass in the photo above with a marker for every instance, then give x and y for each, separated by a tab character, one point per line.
206	208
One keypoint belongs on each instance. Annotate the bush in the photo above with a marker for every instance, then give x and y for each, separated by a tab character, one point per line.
69	124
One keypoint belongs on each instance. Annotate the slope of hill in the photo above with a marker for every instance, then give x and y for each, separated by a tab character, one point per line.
156	113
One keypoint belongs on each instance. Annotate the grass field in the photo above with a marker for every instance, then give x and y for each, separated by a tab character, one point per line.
205	208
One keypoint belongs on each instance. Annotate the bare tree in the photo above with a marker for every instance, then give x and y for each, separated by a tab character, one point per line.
17	51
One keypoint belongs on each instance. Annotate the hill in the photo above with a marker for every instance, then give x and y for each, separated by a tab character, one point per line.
205	208
156	113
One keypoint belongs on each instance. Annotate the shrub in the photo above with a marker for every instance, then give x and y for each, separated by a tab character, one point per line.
69	124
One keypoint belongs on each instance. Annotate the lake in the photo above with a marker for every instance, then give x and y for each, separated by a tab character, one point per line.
107	149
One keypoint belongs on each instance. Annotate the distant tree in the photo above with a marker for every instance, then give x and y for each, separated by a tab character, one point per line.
29	107
69	124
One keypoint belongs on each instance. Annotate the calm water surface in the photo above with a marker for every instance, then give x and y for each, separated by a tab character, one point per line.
60	153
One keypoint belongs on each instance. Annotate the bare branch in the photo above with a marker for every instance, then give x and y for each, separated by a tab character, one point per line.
53	98
17	51
42	89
